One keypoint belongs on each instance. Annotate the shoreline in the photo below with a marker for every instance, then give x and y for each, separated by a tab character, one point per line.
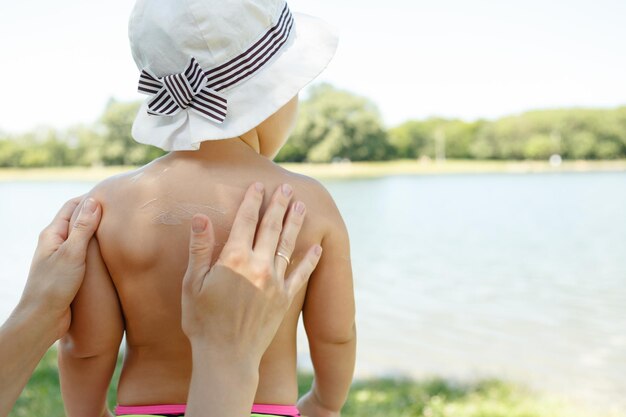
344	170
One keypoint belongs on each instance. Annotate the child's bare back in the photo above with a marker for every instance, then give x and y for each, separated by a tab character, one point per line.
135	271
224	78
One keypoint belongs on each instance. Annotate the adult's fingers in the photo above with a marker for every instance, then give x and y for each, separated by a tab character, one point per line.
272	223
59	227
247	218
287	240
301	274
201	244
83	229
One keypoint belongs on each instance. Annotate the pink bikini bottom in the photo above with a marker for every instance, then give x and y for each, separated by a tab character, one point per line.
173	410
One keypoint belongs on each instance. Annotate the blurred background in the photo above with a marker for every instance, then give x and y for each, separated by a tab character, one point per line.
476	149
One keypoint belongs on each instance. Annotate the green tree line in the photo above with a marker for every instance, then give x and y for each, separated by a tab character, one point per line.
334	124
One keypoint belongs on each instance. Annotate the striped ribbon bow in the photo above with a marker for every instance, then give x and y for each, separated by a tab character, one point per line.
188	89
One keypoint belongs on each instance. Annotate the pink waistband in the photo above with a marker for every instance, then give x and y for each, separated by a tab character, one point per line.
120	410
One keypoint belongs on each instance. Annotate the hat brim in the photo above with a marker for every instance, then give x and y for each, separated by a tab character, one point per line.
309	50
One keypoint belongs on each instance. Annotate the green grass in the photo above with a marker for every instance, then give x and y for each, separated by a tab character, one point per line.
42	395
383	397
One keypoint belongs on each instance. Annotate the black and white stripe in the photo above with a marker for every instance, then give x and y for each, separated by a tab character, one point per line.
175	92
251	60
199	89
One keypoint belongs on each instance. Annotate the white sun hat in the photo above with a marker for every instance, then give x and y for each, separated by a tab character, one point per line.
214	69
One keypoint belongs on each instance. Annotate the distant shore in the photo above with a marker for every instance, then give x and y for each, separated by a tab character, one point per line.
343	170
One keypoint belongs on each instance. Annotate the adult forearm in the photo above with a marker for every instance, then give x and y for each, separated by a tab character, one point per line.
24	339
222	385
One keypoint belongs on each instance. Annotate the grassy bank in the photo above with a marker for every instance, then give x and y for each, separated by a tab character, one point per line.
343	170
368	398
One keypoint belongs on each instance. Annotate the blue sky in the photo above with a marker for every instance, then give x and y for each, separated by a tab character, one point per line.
454	58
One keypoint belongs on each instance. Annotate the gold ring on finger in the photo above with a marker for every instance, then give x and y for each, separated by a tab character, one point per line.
285	257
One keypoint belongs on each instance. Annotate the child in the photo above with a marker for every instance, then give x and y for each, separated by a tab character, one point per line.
222	79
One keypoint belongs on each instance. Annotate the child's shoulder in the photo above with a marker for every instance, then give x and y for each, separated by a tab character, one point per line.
121	197
122	230
114	189
316	196
119	194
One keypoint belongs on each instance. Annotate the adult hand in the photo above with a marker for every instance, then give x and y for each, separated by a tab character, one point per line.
43	315
58	266
232	310
242	299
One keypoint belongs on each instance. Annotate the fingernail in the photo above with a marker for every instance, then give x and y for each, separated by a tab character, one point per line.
90	205
318	250
287	190
300	207
198	224
258	186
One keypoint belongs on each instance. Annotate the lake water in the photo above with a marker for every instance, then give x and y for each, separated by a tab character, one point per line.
521	277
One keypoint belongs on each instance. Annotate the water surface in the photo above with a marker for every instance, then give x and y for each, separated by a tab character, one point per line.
521	277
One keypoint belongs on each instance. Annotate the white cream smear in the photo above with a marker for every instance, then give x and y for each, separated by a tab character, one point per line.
169	211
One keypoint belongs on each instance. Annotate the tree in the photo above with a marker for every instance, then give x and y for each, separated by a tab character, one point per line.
118	147
409	139
579	145
336	124
539	146
10	153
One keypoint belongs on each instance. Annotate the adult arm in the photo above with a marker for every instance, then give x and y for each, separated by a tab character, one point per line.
228	333
42	315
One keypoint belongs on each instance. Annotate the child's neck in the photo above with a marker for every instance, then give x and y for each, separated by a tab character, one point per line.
241	147
252	139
